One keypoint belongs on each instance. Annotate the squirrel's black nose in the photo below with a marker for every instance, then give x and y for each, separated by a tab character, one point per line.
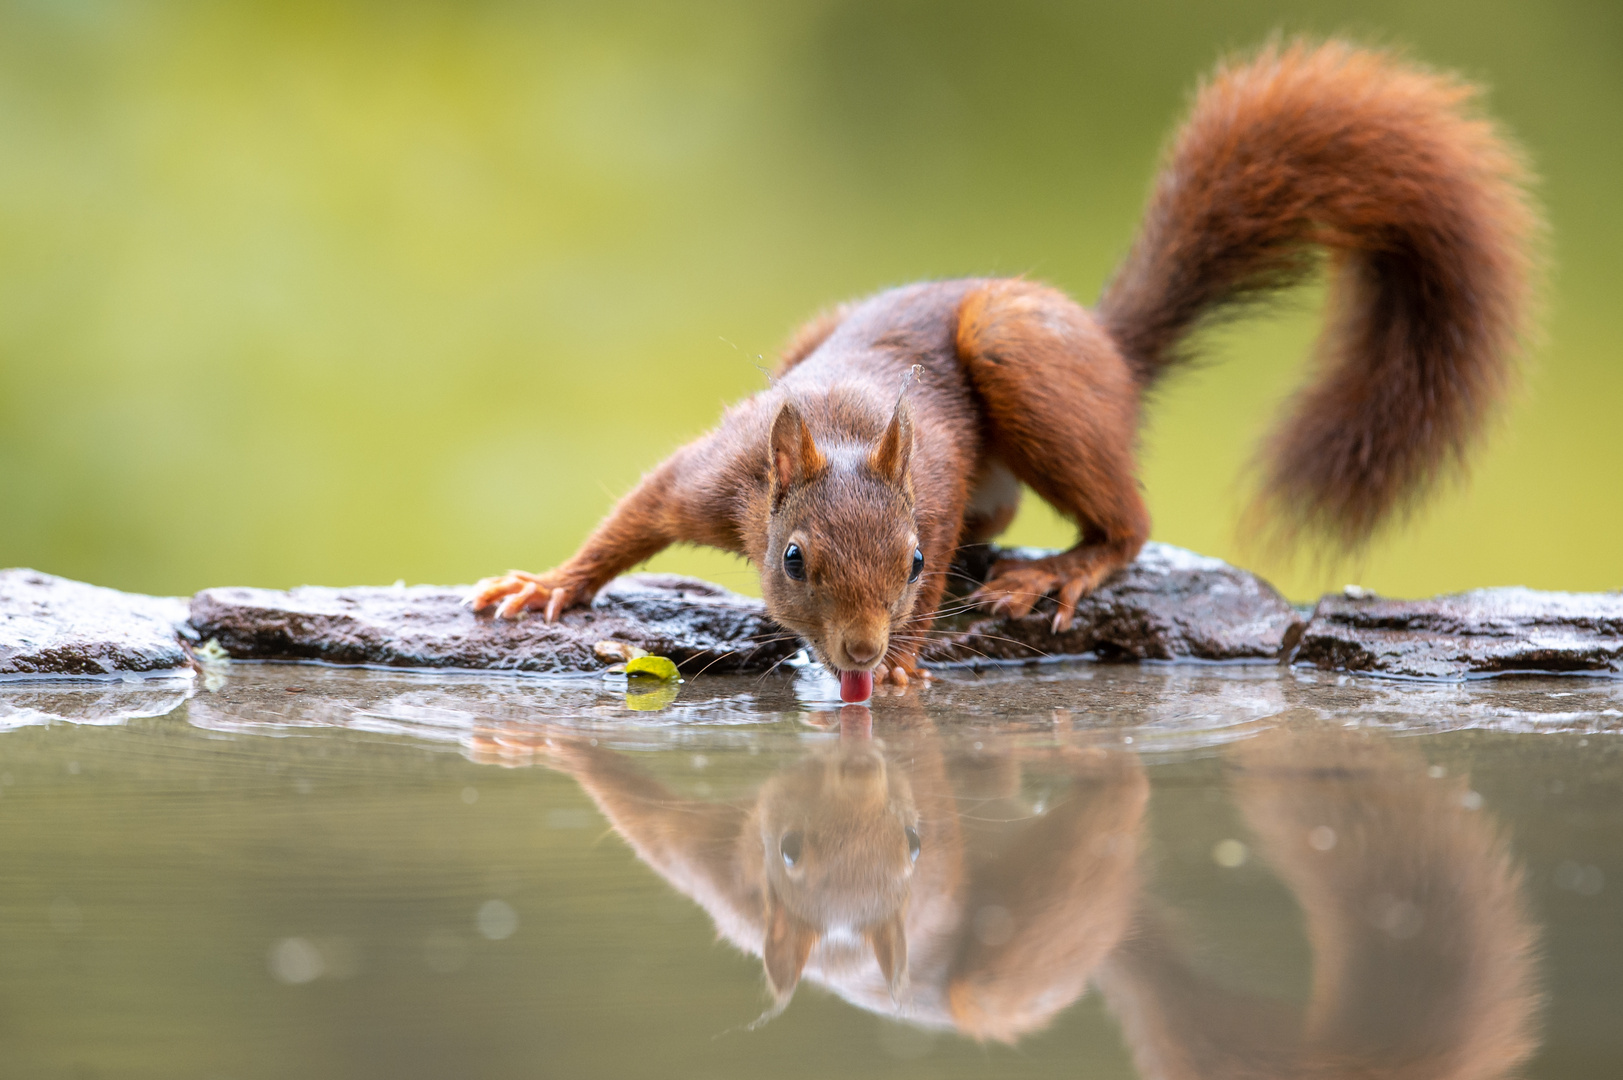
863	652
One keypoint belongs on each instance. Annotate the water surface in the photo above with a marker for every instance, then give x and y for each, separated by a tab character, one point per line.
1178	871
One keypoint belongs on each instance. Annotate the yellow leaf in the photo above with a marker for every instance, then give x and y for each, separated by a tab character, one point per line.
658	667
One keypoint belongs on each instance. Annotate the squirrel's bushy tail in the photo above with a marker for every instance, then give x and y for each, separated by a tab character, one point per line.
1422	206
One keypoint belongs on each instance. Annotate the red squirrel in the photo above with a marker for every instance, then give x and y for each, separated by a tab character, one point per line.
851	497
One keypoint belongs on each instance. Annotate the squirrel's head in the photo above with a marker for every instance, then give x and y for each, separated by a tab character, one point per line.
842	563
840	840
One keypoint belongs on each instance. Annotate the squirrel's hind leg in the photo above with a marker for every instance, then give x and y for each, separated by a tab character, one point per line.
1062	413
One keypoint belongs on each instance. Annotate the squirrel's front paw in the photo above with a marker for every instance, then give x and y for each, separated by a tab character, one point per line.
899	676
515	592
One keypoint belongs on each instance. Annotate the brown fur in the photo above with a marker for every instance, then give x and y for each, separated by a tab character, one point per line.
1298	148
1421	202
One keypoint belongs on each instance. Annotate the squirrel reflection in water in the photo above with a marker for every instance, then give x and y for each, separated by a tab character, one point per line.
916	881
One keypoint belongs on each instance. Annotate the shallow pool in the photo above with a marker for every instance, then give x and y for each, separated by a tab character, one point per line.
1105	871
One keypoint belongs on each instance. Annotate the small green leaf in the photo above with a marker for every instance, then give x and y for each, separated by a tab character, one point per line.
659	667
212	652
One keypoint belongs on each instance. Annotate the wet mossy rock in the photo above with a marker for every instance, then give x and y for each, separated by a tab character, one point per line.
1486	632
51	626
700	626
1169	605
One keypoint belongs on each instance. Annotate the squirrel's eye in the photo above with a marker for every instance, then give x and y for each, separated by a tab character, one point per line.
789	848
794	563
913	843
918	566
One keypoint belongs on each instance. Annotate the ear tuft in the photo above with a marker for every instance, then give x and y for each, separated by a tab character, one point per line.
893	453
788	945
793	457
889	942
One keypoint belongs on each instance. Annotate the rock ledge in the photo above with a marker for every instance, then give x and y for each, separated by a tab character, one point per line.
54	627
1170	604
701	626
1486	632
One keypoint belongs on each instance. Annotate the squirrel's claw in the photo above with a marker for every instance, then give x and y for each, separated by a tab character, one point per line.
490	590
1066	599
1007	599
515	592
1015	585
514	605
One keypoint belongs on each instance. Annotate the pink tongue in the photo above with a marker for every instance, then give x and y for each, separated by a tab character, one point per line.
856	685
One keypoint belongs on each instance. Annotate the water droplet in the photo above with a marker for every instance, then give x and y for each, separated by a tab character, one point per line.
496	919
1471	800
1436	772
295	960
1230	853
1322	838
73	768
470	794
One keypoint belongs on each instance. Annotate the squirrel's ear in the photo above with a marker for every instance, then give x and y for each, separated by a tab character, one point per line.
889	941
892	455
795	457
789	941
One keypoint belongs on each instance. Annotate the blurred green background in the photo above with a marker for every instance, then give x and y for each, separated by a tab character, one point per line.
349	293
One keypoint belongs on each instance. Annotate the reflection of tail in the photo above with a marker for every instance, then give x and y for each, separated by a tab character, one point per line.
1418	199
1422	946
